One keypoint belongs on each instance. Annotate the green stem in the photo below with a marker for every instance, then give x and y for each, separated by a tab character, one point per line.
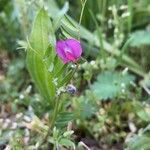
54	148
100	37
104	8
81	15
130	8
55	113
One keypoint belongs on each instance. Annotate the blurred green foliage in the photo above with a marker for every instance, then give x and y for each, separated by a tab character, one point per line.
101	110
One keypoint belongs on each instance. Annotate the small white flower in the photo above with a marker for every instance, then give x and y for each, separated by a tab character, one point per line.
92	62
122	7
60	90
116	30
21	96
73	65
110	8
123	90
55	81
28	89
126	14
123	85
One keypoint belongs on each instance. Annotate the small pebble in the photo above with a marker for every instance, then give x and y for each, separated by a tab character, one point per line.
5	125
14	125
27	118
26	140
27	132
19	115
37	145
132	127
1	121
21	96
8	121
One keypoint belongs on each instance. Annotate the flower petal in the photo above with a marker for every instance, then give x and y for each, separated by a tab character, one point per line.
69	50
70	56
75	47
60	46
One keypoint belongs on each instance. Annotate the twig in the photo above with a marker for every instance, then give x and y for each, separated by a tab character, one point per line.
84	145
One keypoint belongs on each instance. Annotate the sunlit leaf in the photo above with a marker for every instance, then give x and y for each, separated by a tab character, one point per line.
35	54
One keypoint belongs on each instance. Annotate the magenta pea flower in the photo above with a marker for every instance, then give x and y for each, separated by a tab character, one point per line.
69	50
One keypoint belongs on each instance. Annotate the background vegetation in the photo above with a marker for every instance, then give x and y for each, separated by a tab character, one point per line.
111	109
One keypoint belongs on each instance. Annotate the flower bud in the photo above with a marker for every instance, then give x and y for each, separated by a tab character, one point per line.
71	89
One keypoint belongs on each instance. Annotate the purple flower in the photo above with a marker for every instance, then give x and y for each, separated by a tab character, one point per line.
69	50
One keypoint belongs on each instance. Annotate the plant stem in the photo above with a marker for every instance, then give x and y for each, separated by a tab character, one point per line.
81	15
54	148
130	9
103	54
55	113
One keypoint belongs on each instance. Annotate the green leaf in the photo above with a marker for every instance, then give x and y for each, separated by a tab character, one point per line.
139	143
69	28
60	15
67	78
49	56
109	84
58	65
140	38
141	111
40	31
49	53
36	51
67	143
60	71
84	108
63	119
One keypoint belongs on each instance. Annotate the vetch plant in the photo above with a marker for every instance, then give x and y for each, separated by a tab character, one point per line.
49	64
